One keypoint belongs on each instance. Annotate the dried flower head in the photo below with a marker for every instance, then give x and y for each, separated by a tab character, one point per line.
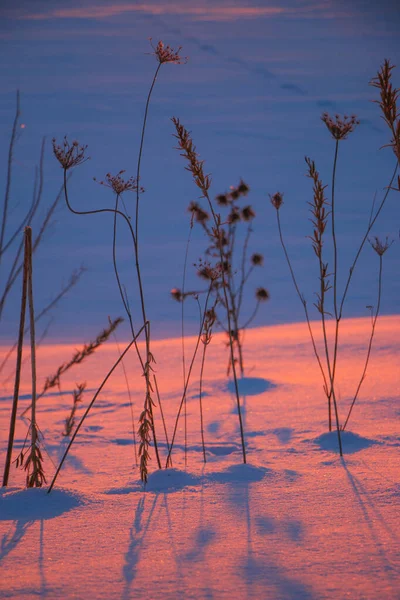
243	188
166	54
234	216
119	185
257	260
207	272
248	213
340	127
276	200
379	246
261	294
177	294
198	213
69	155
222	200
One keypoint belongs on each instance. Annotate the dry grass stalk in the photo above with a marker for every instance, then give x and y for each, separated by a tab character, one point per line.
77	395
35	476
79	356
340	128
209	320
17	372
203	182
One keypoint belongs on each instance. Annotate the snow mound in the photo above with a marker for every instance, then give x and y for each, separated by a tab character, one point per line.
170	480
239	474
36	504
250	386
351	442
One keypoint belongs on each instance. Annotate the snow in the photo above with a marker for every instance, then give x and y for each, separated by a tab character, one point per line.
296	522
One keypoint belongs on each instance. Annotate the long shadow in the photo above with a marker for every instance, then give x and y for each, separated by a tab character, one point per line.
24	508
367	506
137	535
261	569
10	540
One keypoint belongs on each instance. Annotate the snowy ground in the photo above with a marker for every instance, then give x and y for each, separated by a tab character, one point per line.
296	522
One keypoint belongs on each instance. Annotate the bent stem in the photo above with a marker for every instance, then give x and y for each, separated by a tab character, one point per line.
110	372
146	366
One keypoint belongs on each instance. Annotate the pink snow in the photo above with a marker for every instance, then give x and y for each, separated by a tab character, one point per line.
296	522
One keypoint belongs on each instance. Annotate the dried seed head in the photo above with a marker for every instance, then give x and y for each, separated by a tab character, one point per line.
69	155
222	200
177	294
276	200
257	260
233	216
207	272
248	213
261	294
243	188
119	185
340	127
379	246
166	54
199	214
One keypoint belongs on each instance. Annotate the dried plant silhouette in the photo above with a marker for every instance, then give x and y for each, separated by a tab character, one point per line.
226	268
77	396
203	182
323	214
73	155
31	459
237	264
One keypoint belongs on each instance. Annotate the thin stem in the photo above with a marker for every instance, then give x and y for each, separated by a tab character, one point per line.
203	359
148	401
370	342
141	148
17	372
335	252
224	286
146	366
9	174
161	410
129	394
34	480
371	224
90	406
187	380
303	301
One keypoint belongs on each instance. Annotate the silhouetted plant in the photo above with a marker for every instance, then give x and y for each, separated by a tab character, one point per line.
324	212
77	395
203	182
232	250
31	459
74	154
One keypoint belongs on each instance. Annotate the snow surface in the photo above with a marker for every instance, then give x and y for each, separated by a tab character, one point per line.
296	522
